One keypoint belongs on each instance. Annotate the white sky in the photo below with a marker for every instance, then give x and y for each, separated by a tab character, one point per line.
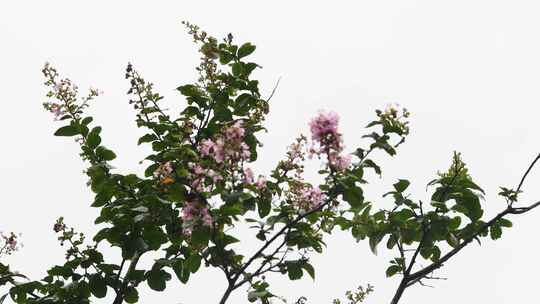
467	70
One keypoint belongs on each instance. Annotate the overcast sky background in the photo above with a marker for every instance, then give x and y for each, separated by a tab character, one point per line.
467	70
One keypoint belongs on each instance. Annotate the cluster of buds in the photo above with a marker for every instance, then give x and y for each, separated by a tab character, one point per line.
59	226
328	141
64	91
193	213
10	243
140	89
396	116
164	173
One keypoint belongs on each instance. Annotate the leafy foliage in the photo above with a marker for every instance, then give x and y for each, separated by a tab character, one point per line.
198	188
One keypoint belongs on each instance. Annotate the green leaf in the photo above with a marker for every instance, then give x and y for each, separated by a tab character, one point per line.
237	68
373	242
105	153
182	272
225	57
131	295
153	236
263	206
157	279
189	90
454	223
309	269
354	196
368	163
93	140
86	121
254	295
472	205
403	215
495	232
452	240
392	270
401	185
245	50
200	236
504	223
147	138
66	131
392	241
193	263
294	270
98	286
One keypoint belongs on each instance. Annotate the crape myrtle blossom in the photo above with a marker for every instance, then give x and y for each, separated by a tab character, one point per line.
193	213
295	156
249	179
248	176
328	141
228	147
309	198
324	124
198	176
261	182
339	162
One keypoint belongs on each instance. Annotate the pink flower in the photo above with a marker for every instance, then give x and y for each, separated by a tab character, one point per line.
189	212
248	176
192	213
235	132
244	153
219	152
311	198
323	124
206	217
206	147
57	110
261	182
339	162
216	177
197	184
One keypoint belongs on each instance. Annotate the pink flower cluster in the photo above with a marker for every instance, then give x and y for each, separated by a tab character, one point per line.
323	125
230	147
192	213
261	182
309	198
198	176
295	152
250	180
328	141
